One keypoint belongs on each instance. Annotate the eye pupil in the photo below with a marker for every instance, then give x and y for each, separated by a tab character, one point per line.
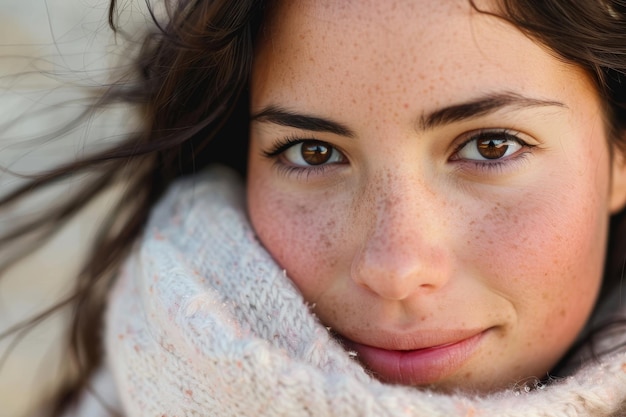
492	148
315	153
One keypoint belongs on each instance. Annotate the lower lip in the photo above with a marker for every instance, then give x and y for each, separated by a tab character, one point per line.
416	367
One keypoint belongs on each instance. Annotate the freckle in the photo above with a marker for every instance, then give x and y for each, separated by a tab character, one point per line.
562	313
468	375
303	209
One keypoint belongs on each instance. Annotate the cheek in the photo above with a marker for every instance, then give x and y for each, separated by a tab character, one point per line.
303	235
544	253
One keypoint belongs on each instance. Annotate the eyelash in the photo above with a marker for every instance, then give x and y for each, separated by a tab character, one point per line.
495	165
283	144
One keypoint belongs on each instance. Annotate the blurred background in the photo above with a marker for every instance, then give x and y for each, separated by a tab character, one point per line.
49	51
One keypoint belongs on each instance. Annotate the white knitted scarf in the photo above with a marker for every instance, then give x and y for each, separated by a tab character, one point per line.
202	322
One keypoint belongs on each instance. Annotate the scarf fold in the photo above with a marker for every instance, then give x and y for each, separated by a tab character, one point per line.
202	322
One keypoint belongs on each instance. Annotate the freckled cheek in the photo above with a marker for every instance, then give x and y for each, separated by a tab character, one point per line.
302	234
543	252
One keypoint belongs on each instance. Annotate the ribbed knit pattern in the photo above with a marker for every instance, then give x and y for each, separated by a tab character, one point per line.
202	322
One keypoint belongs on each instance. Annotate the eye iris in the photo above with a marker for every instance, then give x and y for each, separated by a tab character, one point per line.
492	148
315	153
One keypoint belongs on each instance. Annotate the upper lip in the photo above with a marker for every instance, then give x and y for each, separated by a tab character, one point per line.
422	339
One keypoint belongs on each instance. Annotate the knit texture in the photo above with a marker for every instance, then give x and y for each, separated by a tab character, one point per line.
202	322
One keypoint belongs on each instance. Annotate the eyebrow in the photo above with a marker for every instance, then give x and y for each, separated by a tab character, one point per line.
480	107
287	118
447	115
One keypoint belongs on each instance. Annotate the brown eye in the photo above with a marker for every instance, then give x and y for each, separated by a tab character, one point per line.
310	152
492	148
315	153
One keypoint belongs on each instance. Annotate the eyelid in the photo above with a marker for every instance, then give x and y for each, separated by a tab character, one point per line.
281	147
479	168
473	135
284	143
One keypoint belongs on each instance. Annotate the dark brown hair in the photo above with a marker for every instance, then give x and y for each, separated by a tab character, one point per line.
190	85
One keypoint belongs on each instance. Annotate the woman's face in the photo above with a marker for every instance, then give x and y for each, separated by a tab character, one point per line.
435	183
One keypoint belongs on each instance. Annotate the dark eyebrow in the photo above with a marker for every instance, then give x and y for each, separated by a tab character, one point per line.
480	107
446	115
287	118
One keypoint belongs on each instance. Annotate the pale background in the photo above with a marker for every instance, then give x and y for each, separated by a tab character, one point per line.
47	47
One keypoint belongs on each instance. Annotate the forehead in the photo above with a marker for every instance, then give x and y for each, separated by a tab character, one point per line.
382	14
307	27
431	52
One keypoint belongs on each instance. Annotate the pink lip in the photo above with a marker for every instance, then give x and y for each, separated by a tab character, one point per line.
418	366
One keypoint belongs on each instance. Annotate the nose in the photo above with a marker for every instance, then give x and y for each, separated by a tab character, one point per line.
406	250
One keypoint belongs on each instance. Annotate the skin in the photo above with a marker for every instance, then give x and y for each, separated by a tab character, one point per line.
405	241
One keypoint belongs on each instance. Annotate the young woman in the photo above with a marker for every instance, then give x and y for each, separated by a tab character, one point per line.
430	222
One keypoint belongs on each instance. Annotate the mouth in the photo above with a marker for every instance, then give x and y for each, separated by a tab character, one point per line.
421	366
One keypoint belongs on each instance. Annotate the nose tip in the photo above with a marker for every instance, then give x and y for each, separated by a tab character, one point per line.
397	272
